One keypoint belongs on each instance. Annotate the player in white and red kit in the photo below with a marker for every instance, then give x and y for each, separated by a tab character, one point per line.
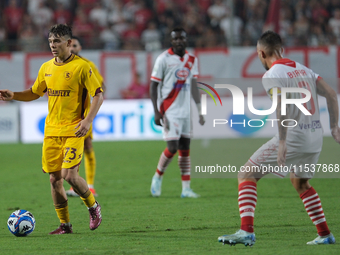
296	146
173	81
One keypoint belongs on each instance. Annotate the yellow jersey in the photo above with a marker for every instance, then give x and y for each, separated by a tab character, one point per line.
95	70
98	76
68	86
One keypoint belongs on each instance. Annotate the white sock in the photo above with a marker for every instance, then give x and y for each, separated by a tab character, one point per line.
94	207
185	185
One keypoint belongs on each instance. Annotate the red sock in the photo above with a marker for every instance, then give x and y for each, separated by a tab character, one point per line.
314	209
184	164
164	161
247	198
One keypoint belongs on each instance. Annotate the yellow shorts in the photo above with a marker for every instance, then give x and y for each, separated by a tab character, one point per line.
89	133
61	152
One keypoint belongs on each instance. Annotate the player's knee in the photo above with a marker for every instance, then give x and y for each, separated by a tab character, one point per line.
54	178
87	149
184	144
88	144
69	177
184	147
300	184
172	149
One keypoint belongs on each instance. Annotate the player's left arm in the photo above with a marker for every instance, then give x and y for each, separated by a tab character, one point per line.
92	84
196	96
103	87
323	89
98	76
194	90
84	125
282	150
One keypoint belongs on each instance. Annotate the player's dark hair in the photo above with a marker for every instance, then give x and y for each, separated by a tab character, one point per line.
178	29
78	39
272	41
60	30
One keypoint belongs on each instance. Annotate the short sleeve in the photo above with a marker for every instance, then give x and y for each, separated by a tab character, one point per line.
270	81
90	81
315	76
158	70
39	87
194	69
96	72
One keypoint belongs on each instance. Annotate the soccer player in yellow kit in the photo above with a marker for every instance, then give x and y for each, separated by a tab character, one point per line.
68	80
90	159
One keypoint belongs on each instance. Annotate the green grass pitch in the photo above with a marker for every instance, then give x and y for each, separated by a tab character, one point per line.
136	223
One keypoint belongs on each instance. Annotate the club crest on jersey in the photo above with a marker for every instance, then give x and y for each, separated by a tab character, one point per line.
182	74
68	75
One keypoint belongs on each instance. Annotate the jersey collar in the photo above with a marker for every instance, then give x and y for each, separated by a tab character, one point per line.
70	58
171	52
285	61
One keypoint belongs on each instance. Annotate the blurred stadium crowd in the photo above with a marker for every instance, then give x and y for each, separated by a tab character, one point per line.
145	24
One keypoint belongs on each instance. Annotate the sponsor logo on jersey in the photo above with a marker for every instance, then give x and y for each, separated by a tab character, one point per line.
90	72
68	75
48	75
180	86
314	125
182	74
58	93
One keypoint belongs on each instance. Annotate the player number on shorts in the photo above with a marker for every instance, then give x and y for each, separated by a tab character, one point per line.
311	106
72	151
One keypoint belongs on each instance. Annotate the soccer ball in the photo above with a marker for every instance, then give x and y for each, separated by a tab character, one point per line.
21	223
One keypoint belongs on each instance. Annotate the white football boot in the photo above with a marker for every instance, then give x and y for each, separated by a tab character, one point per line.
241	236
187	192
329	239
156	186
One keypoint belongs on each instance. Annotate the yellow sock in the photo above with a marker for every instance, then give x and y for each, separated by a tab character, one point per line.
62	212
90	166
88	199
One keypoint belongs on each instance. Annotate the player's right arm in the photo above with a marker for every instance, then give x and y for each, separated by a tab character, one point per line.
38	89
323	89
98	75
157	76
282	150
271	81
153	96
26	95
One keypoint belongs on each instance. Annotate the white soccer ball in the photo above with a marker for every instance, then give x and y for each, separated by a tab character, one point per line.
21	223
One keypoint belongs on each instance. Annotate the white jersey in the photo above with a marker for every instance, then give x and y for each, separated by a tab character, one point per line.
174	74
306	136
